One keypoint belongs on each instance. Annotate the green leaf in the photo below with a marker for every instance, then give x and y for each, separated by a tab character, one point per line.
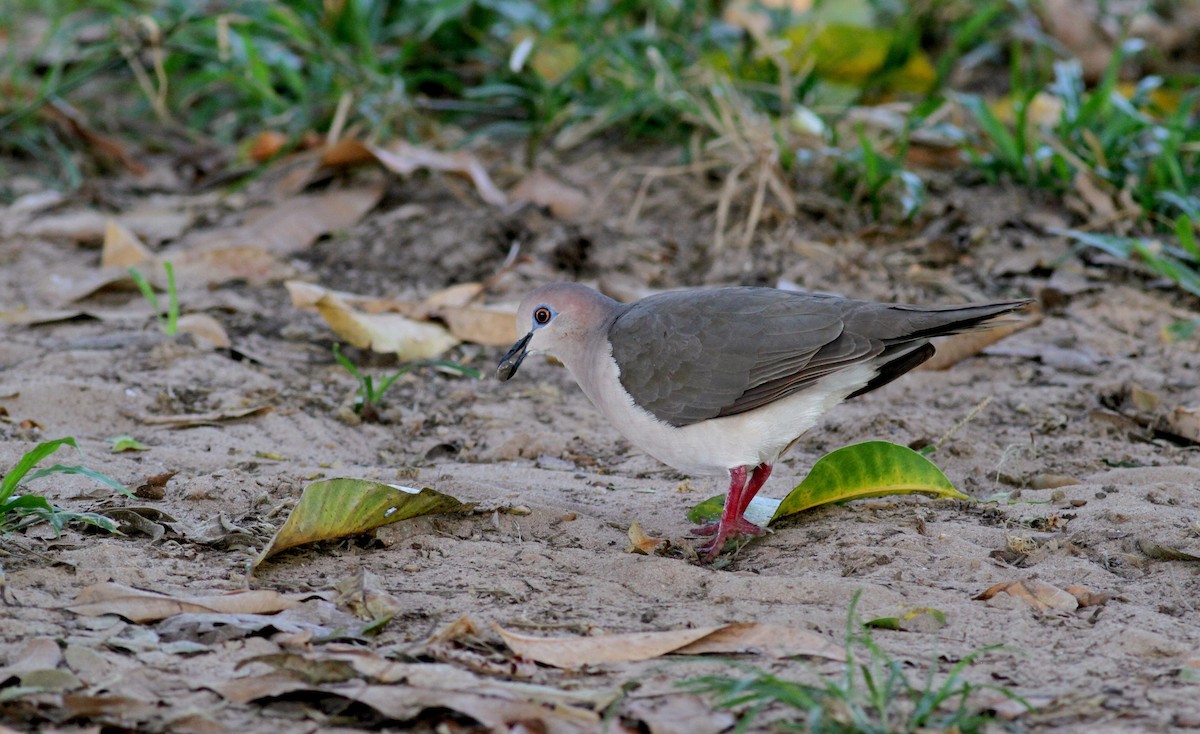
125	442
28	461
923	619
870	469
333	508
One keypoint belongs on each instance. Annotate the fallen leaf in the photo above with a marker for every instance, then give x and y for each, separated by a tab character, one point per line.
218	265
1038	594
82	226
382	332
40	653
122	248
126	442
404	158
678	714
65	288
191	420
1052	481
923	619
564	202
209	628
953	349
51	679
35	317
860	471
346	152
1163	552
333	508
294	224
1086	597
155	487
66	116
87	706
266	145
457	295
773	640
1101	207
639	542
1185	421
140	606
490	327
206	330
573	652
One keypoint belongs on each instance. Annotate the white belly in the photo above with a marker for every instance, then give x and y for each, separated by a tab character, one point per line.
715	446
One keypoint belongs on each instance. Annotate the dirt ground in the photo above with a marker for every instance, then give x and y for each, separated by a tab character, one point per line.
1078	405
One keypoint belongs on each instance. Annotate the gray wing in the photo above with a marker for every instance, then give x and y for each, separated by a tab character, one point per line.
689	356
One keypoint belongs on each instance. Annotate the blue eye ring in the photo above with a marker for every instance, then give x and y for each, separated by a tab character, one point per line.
542	316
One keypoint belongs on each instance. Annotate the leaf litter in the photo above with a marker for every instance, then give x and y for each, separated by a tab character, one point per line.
570	578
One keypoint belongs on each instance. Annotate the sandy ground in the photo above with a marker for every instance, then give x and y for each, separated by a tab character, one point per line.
556	488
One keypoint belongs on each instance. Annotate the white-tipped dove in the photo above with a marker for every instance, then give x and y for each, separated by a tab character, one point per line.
724	381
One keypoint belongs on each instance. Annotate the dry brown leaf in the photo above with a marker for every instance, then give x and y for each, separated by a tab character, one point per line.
84	225
564	202
382	332
122	248
1038	594
487	326
639	542
679	714
1185	421
155	486
65	288
295	223
66	116
457	295
386	332
775	640
1086	597
219	265
953	349
190	420
573	652
1052	481
34	317
266	145
346	152
450	307
1077	26
510	703
404	158
40	653
205	329
463	628
91	706
1099	202
140	606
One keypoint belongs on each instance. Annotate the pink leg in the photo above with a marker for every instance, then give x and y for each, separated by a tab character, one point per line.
732	524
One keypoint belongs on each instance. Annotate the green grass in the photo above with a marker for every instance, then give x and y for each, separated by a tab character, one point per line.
168	318
20	510
369	396
874	695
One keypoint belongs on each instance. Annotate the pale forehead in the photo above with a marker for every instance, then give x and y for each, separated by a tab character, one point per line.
559	296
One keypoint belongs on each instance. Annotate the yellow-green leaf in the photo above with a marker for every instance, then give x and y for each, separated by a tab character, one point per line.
333	508
870	469
125	442
923	619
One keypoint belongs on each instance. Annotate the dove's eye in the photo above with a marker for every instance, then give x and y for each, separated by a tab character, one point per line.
542	316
